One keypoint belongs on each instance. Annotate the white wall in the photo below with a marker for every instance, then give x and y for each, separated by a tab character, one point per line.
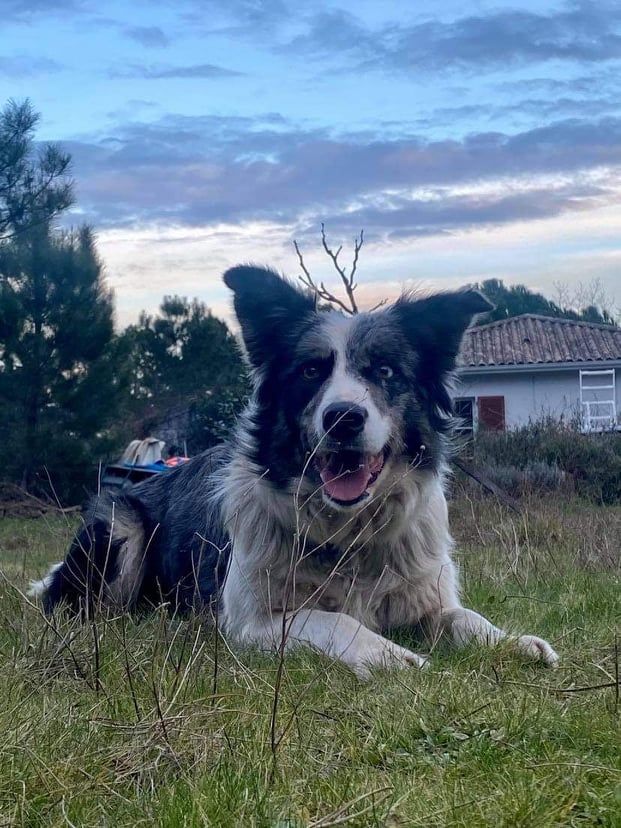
531	395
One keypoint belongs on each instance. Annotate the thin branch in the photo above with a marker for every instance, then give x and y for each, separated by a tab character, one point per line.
358	242
320	290
343	814
301	260
348	281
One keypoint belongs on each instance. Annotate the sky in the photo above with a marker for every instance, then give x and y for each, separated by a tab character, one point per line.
476	140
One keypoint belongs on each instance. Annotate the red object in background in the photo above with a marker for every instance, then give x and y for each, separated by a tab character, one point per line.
492	413
176	461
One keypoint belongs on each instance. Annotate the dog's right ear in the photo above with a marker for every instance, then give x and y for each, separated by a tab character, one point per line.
268	308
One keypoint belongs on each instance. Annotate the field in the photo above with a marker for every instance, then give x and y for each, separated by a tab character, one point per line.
155	721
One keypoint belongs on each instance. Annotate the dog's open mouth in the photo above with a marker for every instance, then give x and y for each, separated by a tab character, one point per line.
347	475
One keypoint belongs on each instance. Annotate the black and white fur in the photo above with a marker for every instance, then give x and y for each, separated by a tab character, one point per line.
324	520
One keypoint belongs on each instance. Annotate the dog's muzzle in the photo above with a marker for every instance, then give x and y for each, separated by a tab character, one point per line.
347	475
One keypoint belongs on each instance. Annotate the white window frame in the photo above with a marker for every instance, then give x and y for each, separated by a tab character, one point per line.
466	430
599	422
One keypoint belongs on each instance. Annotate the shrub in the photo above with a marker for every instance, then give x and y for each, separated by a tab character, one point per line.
537	477
548	454
213	417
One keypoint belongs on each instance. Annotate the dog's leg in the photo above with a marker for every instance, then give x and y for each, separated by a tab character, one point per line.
464	625
445	615
105	563
337	635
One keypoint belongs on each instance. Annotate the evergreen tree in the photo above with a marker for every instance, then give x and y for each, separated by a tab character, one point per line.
184	357
34	185
57	375
514	300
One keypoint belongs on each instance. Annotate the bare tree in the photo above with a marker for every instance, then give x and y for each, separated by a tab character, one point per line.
586	296
594	294
348	280
563	294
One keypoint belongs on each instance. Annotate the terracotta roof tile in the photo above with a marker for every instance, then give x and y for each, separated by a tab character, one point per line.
534	340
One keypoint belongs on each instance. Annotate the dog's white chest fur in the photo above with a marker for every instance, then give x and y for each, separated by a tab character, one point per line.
388	573
387	566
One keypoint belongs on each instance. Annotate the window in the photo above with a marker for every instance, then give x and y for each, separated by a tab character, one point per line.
464	411
597	400
492	413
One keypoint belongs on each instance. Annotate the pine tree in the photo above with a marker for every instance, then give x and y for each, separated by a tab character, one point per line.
34	184
184	358
57	373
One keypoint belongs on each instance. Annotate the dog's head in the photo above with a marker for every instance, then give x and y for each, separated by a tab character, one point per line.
344	401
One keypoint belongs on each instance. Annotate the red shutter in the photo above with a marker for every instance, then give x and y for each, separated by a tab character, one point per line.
492	413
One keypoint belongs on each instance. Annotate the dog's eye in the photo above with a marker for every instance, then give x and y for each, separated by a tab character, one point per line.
385	371
310	371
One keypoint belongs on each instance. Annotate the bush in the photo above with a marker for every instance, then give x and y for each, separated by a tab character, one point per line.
547	455
213	417
537	477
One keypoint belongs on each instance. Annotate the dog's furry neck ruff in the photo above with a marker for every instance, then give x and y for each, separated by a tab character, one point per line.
298	511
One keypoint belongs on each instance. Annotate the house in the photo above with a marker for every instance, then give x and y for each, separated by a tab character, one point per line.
521	369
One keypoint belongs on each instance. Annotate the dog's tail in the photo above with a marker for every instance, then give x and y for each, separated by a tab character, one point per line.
105	563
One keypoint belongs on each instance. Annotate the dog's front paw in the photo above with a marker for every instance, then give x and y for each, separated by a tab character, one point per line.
537	649
385	654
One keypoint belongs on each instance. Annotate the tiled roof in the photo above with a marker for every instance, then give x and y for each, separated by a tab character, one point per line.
538	340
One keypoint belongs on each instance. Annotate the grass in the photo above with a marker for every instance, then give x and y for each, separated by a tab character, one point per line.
134	722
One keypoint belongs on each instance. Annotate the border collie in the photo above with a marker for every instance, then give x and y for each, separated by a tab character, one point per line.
323	521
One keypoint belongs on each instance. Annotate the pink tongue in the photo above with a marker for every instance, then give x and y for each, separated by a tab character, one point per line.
346	485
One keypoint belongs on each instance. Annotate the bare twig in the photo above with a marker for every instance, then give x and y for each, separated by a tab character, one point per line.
379	305
344	814
348	279
617	682
128	672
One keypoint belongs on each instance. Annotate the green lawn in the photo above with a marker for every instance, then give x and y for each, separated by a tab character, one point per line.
146	722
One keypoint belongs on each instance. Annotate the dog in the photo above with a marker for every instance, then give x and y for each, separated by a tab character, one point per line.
323	520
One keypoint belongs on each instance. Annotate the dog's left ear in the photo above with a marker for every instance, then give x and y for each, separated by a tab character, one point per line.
268	308
435	324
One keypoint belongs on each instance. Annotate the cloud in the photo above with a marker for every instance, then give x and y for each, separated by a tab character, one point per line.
160	71
145	263
131	109
236	17
581	31
593	83
209	170
446	212
26	9
150	36
539	109
26	66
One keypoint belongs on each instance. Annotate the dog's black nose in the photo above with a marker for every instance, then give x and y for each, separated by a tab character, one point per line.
344	421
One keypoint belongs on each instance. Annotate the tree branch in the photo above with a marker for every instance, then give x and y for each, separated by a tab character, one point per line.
320	291
348	281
